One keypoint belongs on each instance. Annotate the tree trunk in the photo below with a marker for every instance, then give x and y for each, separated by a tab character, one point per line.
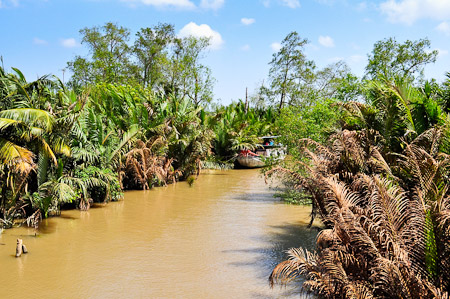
246	99
19	247
283	87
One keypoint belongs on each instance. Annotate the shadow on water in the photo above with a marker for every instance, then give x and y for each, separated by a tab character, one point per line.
212	173
47	227
286	237
266	197
62	216
98	205
278	242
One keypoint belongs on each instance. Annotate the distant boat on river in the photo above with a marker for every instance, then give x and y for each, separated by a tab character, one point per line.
266	152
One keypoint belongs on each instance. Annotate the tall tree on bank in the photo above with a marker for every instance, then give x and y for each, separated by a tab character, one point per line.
157	60
187	76
151	51
109	50
289	68
333	81
390	58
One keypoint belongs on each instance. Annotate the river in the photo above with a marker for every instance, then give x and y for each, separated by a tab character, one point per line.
219	238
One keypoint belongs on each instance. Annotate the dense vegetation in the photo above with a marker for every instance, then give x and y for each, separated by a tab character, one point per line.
378	178
131	117
370	154
63	148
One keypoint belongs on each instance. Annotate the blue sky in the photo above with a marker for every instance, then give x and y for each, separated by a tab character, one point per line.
40	36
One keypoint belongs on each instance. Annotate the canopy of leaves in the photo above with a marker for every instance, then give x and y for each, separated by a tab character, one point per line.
390	58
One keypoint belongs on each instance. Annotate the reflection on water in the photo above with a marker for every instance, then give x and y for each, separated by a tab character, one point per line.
220	238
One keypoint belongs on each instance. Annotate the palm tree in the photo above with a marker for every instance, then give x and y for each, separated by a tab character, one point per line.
146	167
382	193
387	236
23	134
238	128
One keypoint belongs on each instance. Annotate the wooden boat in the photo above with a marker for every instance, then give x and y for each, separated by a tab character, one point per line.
249	161
265	153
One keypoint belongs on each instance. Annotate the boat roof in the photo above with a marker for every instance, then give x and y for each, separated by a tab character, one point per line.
269	137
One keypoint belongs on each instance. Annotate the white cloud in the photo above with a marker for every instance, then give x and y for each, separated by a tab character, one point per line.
356	58
182	4
442	52
326	41
9	3
409	11
212	4
203	30
275	46
288	3
312	47
38	41
335	59
326	2
69	43
444	27
245	48
247	21
362	6
291	3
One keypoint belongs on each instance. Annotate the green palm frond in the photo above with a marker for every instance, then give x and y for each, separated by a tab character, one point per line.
29	116
60	147
127	138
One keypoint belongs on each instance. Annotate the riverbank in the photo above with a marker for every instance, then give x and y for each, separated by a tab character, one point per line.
219	238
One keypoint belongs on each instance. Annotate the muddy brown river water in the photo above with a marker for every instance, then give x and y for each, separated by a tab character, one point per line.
218	239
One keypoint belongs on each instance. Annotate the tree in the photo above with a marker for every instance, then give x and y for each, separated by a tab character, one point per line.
316	122
150	49
387	222
407	60
187	76
289	68
329	81
109	61
161	61
350	88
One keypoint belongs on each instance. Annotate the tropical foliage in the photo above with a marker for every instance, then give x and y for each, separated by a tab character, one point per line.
380	186
61	147
371	155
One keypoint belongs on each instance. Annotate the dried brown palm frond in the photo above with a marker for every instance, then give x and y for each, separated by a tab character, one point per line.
348	152
338	196
441	212
33	220
430	140
85	203
146	165
306	184
351	149
367	252
387	214
306	143
379	238
300	262
378	164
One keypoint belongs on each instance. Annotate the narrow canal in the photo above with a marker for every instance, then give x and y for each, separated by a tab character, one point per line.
218	239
